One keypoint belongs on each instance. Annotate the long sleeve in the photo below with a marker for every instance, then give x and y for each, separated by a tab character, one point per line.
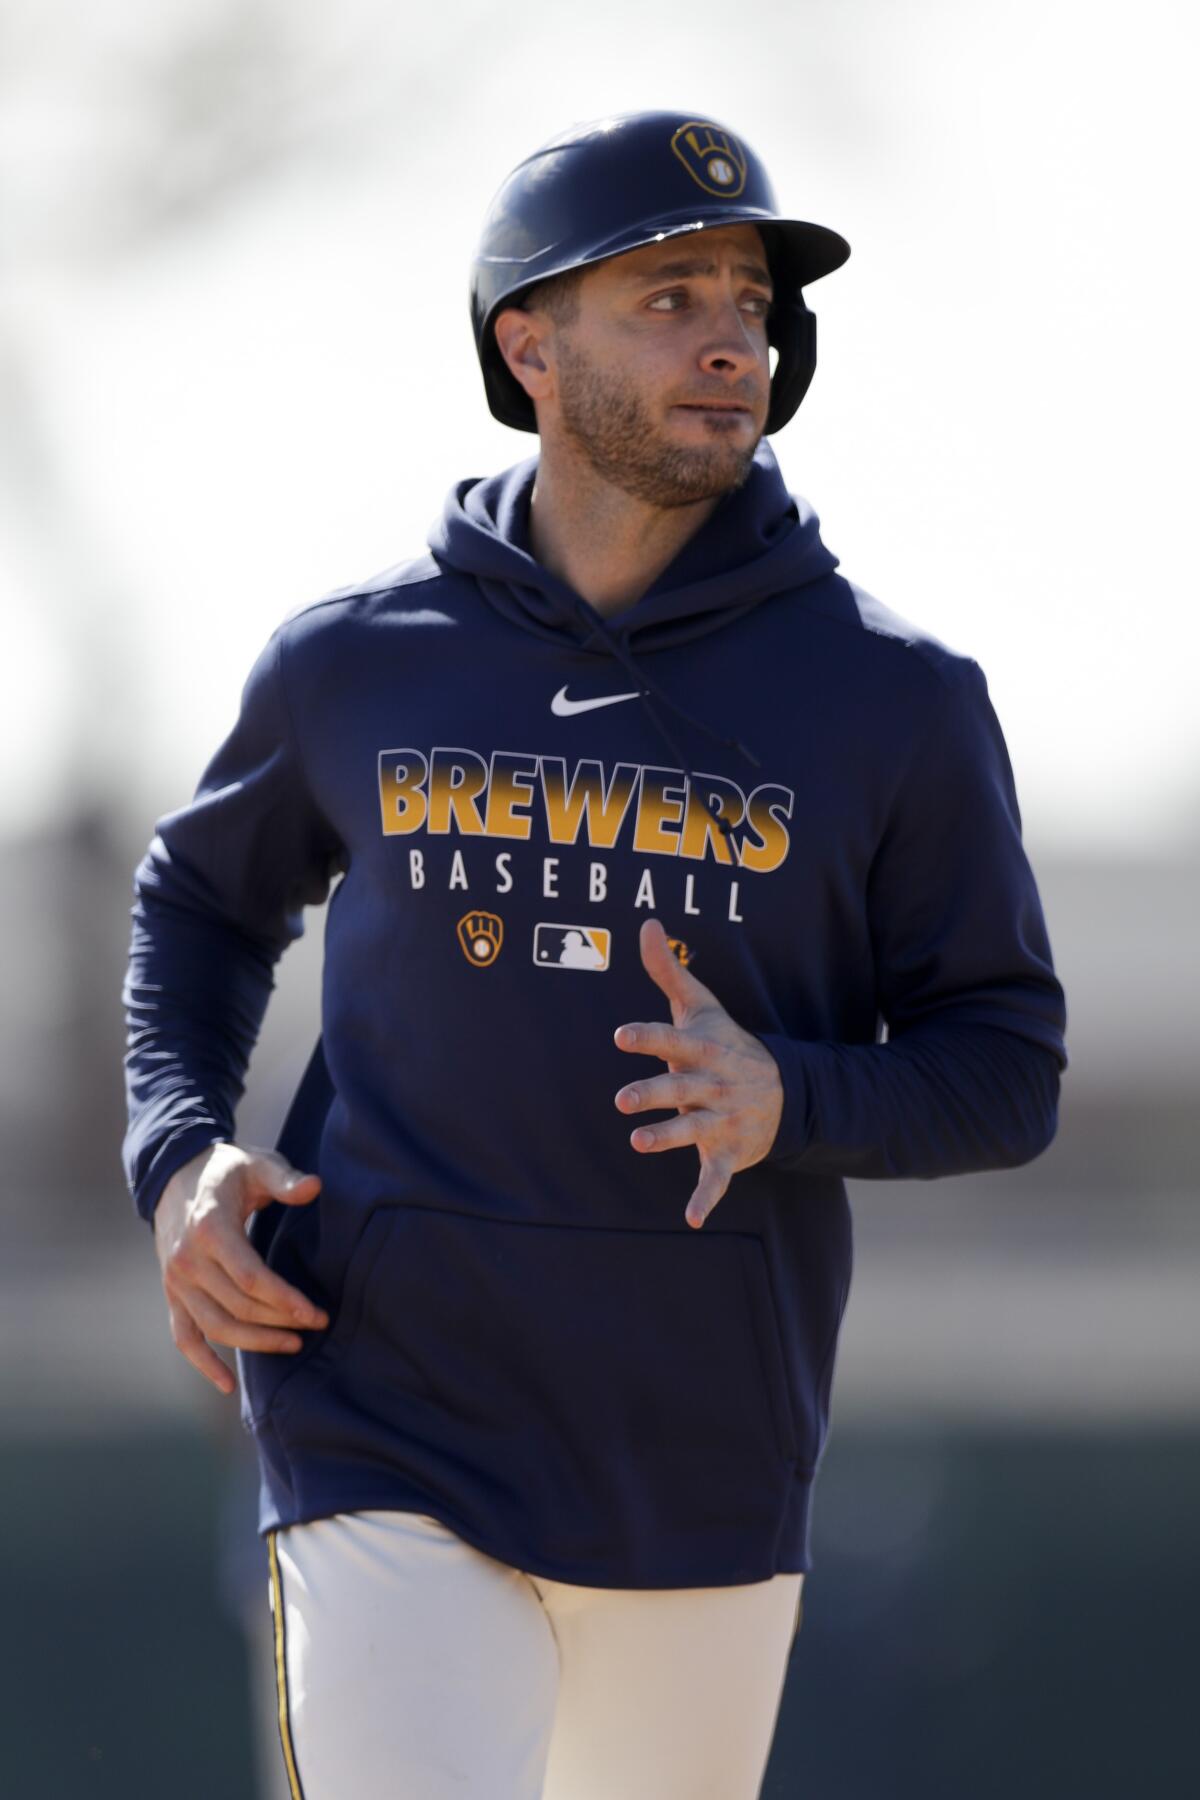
968	1077
218	896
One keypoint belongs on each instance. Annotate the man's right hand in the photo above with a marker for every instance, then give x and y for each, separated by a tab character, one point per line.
218	1287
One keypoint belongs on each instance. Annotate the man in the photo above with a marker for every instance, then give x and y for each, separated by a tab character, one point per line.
538	1408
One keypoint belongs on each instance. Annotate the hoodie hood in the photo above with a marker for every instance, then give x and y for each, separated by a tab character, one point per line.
758	541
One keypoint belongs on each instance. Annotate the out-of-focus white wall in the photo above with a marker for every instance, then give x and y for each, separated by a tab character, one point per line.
236	367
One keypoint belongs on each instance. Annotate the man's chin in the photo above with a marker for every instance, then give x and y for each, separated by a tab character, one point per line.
667	467
694	473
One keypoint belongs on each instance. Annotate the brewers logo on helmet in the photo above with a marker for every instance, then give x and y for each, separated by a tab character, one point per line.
713	158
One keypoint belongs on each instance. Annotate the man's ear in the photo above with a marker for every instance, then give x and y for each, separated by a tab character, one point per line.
520	337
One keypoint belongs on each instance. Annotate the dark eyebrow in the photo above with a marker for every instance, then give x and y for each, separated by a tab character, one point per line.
695	265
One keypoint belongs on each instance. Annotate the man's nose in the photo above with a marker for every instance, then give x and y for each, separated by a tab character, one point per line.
731	343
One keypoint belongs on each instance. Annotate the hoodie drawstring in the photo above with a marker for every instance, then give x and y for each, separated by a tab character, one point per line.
647	687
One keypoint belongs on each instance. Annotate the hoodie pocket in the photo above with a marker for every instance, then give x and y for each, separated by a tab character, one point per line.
267	1377
584	1386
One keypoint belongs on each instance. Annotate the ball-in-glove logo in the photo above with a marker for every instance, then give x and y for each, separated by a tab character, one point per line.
713	159
480	934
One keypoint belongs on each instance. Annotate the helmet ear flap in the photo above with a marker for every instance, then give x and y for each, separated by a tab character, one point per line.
794	335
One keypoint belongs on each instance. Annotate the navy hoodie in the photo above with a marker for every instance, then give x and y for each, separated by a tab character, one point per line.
496	785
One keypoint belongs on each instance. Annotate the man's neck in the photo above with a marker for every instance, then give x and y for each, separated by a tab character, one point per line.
606	545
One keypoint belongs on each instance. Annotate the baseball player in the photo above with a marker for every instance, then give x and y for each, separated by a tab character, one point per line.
672	879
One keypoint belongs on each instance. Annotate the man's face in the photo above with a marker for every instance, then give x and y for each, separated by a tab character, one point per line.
663	380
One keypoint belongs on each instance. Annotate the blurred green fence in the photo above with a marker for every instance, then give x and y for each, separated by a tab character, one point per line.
993	1613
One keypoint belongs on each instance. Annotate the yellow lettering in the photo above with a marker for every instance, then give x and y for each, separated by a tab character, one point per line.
699	828
401	777
566	807
761	816
511	785
660	806
455	799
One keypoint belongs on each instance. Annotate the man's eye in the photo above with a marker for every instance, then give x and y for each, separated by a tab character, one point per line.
758	304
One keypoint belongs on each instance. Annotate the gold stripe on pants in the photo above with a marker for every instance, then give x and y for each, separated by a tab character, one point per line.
285	1727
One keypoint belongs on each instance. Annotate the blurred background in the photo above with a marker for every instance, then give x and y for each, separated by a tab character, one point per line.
236	371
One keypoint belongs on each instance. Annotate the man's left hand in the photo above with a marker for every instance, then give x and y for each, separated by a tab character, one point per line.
724	1081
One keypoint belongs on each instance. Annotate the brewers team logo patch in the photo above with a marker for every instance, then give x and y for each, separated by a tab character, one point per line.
571	946
679	951
480	935
713	159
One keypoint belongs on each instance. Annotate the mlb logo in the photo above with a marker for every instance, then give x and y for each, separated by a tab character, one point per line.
571	946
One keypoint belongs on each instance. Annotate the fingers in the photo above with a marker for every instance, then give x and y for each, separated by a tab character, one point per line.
223	1327
670	1090
692	1127
189	1342
265	1291
218	1288
716	1170
196	1315
669	1042
275	1179
715	1176
668	1134
242	1302
665	969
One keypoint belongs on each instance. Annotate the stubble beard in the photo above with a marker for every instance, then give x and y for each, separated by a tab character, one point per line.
606	418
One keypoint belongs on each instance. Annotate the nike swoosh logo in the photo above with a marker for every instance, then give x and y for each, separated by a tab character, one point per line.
564	707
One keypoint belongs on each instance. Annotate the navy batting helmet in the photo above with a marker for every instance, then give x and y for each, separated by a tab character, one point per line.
600	189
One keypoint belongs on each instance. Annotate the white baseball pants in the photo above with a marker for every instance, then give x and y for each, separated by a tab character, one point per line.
412	1666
